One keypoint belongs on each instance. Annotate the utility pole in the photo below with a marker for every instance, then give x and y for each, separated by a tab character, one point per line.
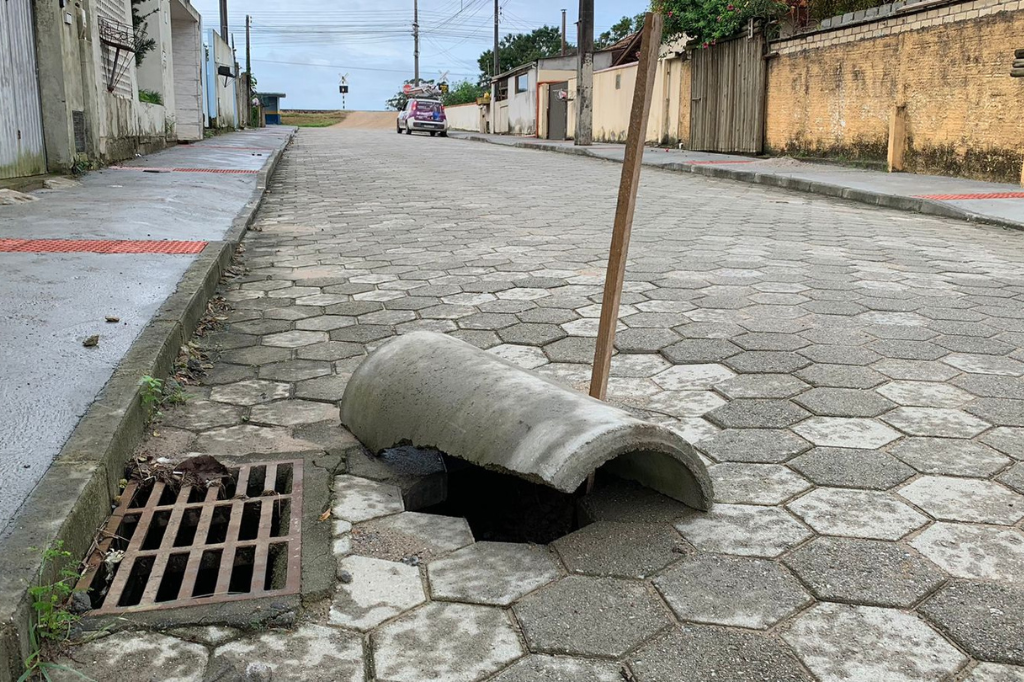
416	41
585	76
494	75
248	65
563	32
224	20
496	61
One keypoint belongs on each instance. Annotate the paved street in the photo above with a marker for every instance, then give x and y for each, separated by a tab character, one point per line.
852	375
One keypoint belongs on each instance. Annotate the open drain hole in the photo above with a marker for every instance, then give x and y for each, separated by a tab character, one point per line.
505	508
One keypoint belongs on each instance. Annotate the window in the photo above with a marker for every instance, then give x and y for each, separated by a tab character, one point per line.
522	82
618	81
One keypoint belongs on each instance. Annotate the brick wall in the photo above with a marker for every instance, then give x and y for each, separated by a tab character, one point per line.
831	93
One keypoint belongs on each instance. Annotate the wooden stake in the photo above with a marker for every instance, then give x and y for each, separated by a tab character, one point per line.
635	138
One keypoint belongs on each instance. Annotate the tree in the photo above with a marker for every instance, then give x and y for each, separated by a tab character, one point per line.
622	28
705	22
399	99
521	48
462	92
143	43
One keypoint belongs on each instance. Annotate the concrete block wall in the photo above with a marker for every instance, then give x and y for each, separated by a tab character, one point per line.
832	92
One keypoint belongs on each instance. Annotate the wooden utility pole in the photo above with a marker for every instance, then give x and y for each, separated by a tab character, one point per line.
224	20
563	32
416	41
585	76
635	137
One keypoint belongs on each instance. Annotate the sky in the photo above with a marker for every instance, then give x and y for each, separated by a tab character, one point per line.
303	47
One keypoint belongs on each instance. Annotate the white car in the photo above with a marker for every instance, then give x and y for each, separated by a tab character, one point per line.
423	116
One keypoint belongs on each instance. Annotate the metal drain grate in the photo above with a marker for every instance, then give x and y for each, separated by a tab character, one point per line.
200	546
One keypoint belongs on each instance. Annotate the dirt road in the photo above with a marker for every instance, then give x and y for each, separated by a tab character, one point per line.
368	120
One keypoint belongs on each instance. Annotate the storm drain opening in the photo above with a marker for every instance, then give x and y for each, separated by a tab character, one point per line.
167	545
505	508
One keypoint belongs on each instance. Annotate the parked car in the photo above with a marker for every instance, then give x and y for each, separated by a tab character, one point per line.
423	115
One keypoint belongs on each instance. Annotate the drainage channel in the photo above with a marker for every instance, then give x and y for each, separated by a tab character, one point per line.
167	546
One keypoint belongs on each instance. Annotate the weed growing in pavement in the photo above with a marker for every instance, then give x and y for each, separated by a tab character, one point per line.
151	390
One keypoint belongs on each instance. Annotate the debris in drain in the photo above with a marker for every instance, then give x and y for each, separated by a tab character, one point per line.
79	603
202	470
345	577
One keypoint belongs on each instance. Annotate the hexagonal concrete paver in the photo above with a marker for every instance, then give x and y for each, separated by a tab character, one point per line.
844	402
134	655
965	499
756	414
1014	477
378	590
737	483
1006	439
869	572
445	641
359	499
841	376
841	432
985	364
949	456
294	339
838	642
408	535
531	334
627	550
313	653
983	618
766	362
496	573
743	529
684	403
247	439
974	551
761	386
293	412
601	617
996	672
852	468
707	652
935	421
693	377
699	351
560	669
924	394
753	445
731	590
644	339
856	513
1001	411
527	357
199	415
251	392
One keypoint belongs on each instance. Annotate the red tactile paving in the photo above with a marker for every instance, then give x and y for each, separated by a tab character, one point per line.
959	197
98	246
185	170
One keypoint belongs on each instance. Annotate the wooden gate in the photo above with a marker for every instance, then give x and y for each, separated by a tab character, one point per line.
21	123
727	95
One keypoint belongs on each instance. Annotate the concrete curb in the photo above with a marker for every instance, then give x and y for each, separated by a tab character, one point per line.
73	498
863	196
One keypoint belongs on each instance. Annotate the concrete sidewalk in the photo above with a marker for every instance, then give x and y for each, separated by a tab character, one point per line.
973	200
57	291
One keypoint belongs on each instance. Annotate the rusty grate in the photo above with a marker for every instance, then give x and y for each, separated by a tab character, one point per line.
200	546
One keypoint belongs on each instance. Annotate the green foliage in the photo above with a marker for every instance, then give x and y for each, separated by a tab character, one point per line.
151	96
399	100
151	392
53	621
36	666
143	44
462	92
622	28
521	48
706	22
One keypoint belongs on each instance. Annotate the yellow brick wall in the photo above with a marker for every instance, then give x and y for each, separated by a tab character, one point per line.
832	93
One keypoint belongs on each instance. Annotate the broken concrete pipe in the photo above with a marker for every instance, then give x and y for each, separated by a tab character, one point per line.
433	390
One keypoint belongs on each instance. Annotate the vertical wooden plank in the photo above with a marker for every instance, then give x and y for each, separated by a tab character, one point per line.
897	137
626	204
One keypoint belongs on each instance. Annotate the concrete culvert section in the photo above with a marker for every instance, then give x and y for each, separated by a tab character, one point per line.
432	390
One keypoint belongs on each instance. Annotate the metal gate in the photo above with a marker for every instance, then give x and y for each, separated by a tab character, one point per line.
21	125
558	112
727	95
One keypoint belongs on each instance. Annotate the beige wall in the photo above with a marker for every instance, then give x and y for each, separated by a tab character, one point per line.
612	104
832	93
464	117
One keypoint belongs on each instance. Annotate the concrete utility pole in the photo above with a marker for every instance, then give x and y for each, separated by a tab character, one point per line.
494	73
248	63
585	76
224	20
416	41
563	32
496	61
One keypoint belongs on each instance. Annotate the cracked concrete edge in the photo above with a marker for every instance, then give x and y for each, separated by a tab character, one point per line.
863	196
72	499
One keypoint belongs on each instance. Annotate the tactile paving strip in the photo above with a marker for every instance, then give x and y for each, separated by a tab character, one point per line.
99	246
961	197
200	546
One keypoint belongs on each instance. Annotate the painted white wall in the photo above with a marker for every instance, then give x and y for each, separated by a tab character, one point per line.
522	106
464	117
